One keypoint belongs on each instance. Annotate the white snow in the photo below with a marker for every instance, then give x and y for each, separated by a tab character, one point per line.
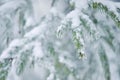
37	51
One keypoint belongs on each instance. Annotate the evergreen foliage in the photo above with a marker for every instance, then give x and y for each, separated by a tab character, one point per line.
78	42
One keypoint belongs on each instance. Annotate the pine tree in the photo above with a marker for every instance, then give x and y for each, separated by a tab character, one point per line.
76	40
